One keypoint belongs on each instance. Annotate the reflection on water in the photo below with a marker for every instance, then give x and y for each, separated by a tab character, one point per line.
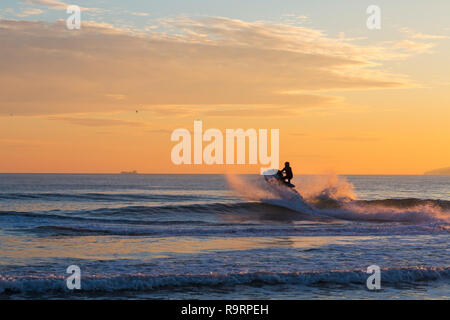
14	248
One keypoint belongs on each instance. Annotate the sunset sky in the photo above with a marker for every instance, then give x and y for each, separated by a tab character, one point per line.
106	98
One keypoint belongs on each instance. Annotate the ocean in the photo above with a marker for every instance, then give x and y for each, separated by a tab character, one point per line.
223	236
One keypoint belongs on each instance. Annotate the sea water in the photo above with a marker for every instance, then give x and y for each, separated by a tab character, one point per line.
223	237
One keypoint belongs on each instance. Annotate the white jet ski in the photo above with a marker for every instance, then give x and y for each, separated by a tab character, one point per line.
278	179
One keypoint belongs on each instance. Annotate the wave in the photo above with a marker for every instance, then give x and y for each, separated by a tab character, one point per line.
429	213
207	208
405	203
229	230
411	211
110	197
408	203
147	283
333	197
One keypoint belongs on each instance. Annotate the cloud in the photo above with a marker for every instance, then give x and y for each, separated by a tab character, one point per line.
246	66
95	122
414	46
294	19
423	36
139	14
249	110
26	12
57	5
268	111
52	4
30	12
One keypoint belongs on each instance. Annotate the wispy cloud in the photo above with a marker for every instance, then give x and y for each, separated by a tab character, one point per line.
52	4
30	12
415	41
57	5
414	46
96	122
247	67
139	14
25	12
423	36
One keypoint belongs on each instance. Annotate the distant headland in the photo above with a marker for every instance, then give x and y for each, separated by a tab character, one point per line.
439	172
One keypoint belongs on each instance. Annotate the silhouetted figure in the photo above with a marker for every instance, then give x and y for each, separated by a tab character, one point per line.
288	172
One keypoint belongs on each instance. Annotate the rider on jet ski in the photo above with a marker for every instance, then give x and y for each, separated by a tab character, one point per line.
288	173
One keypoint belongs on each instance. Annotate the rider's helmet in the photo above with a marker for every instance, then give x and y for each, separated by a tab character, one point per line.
286	164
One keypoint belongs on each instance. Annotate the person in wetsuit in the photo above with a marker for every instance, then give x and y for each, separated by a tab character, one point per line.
287	170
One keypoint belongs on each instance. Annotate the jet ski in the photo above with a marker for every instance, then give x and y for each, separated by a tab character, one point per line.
286	194
278	178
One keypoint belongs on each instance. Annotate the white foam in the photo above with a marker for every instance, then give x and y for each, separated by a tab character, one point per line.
142	282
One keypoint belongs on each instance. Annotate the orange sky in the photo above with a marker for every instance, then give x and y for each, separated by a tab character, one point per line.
69	98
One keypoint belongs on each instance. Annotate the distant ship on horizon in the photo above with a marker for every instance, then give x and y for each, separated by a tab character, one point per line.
129	172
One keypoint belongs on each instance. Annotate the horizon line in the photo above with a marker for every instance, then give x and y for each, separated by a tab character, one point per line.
212	173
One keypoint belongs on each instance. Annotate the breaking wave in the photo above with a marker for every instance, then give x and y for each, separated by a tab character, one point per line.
241	219
333	197
147	283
